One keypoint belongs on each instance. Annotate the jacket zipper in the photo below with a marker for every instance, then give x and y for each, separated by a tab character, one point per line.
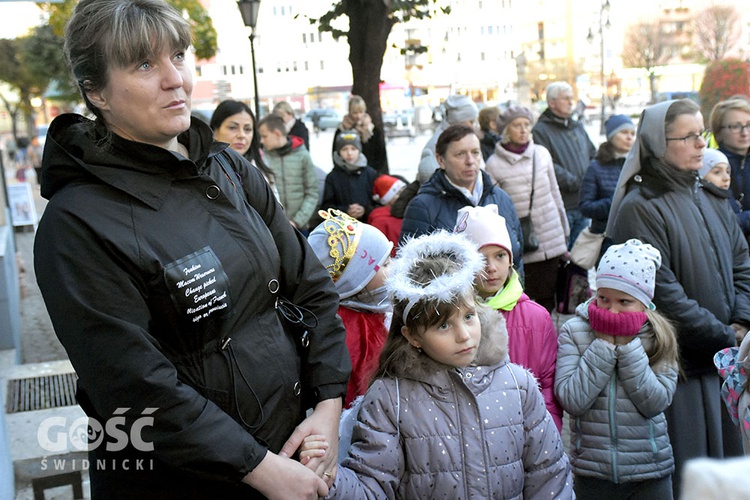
460	430
612	426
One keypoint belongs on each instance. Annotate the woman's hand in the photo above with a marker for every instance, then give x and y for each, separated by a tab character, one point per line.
323	421
281	478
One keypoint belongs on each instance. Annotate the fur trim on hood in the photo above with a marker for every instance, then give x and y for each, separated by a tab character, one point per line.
408	362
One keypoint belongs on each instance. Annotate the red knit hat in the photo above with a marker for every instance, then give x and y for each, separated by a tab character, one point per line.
386	188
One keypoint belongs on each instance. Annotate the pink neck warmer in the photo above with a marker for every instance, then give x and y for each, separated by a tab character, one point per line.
625	324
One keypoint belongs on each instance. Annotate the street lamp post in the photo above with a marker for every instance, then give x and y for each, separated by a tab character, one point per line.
602	25
249	11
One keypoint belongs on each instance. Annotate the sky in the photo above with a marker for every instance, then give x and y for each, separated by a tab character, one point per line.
17	17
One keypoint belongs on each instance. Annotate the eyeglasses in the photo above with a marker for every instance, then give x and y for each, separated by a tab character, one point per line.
693	138
737	128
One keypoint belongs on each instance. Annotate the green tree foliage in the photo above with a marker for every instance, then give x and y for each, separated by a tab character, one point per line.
28	64
370	23
204	34
721	80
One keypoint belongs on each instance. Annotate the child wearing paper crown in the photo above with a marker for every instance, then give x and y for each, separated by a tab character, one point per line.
617	368
386	190
356	256
532	340
447	415
348	187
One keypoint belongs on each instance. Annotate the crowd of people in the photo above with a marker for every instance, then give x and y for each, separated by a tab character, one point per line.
226	288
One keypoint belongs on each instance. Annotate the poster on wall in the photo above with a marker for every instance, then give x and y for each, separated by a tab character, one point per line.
22	208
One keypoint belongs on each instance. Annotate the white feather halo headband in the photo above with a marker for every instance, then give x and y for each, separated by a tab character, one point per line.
443	288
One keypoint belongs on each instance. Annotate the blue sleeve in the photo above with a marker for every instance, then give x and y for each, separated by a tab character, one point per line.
590	202
416	220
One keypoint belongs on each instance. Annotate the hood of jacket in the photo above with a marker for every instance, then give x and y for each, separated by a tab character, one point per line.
493	349
656	178
292	144
78	148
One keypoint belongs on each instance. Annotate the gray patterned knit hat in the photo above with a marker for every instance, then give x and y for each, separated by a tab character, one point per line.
630	268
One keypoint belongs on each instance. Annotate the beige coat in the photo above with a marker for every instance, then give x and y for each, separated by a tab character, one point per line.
512	173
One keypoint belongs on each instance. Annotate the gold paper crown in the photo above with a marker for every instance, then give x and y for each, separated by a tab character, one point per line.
343	238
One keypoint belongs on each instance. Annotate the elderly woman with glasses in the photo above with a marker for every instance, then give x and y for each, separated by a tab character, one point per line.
730	124
703	285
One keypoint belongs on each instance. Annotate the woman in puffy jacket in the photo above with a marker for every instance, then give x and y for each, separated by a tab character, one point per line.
526	172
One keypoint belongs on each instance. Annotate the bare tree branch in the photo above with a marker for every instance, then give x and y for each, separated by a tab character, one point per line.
646	47
717	30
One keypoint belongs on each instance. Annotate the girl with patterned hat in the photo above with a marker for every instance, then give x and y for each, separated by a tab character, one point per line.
447	415
617	368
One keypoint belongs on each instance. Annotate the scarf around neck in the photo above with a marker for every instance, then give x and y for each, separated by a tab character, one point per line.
623	324
364	128
507	298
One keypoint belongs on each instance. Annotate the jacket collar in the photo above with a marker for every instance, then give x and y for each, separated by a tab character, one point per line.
407	362
549	116
78	148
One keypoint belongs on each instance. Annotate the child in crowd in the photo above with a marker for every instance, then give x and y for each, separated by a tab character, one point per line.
356	256
733	364
348	186
293	170
532	340
716	169
386	191
447	415
617	371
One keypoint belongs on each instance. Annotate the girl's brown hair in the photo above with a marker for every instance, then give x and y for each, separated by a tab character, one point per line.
664	351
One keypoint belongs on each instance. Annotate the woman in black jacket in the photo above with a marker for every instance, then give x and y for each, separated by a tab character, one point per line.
197	319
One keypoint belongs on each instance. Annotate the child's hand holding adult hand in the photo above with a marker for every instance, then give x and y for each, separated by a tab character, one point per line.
313	446
324	421
281	478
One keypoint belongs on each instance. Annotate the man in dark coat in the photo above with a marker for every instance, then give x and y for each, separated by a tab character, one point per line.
458	183
571	149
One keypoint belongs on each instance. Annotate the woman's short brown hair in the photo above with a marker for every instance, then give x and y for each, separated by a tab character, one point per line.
102	34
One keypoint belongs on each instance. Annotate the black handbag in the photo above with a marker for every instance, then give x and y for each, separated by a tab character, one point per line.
530	241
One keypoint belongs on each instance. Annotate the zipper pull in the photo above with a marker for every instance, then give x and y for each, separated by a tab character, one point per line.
226	343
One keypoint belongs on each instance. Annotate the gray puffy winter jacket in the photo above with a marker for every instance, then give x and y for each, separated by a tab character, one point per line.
438	432
616	403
